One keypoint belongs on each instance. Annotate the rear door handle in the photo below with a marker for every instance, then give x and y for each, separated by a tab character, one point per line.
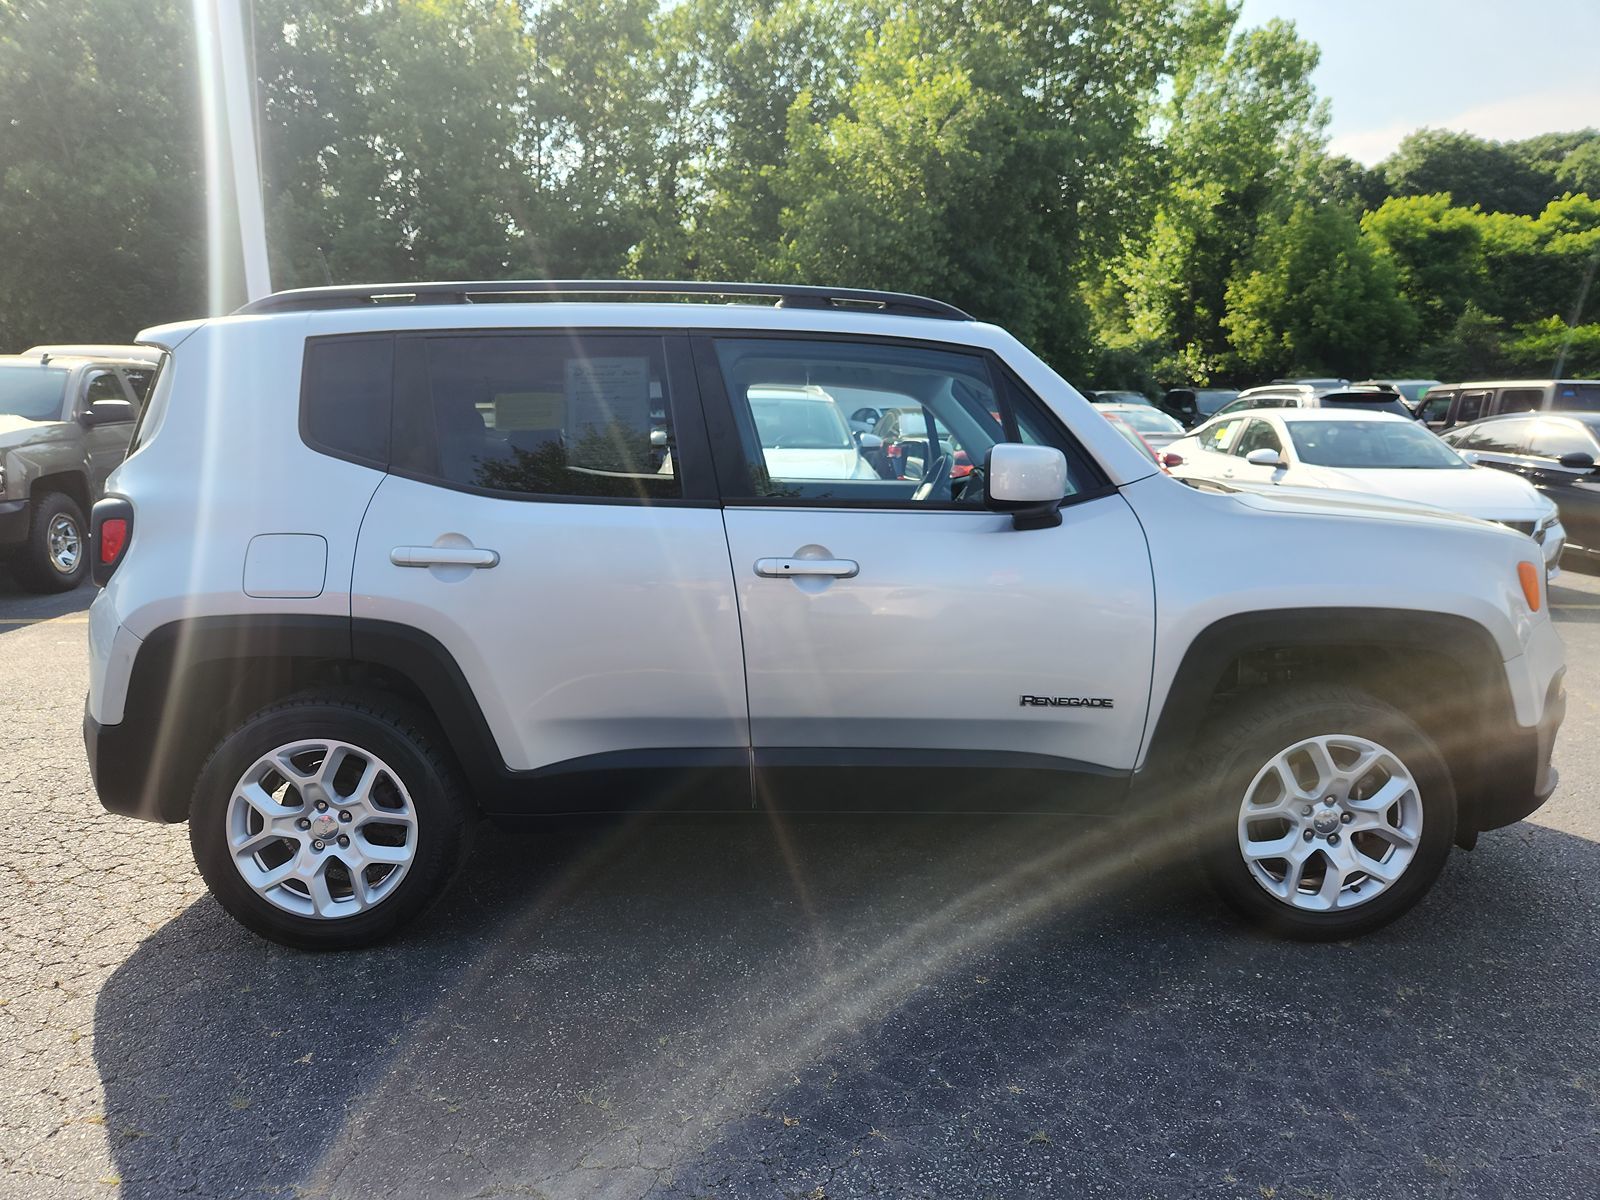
834	568
443	556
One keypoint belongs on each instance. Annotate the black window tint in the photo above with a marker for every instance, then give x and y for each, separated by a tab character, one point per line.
1471	406
104	386
1580	397
547	415
345	397
1515	400
1552	439
1435	408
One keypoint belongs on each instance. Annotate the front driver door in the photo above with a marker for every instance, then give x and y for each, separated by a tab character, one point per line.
905	648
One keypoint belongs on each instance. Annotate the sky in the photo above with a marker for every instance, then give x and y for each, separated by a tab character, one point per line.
1501	69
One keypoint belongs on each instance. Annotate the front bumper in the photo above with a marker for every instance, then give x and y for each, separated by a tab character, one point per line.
1518	775
14	522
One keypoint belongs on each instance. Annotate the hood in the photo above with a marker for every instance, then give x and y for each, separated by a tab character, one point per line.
1312	501
16	430
1478	492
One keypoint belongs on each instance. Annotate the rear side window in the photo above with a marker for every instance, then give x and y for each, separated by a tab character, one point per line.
1552	439
1472	406
1580	397
1493	437
1515	400
543	414
345	397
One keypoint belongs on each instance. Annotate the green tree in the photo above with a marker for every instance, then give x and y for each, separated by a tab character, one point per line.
1579	171
1241	138
1491	175
101	214
1316	297
1437	253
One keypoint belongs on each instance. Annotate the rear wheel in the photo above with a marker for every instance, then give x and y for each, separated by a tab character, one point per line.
1333	813
55	557
327	823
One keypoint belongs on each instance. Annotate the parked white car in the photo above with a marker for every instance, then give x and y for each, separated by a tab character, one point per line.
1368	452
804	435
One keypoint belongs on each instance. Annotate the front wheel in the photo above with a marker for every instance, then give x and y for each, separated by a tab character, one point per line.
1332	812
327	823
55	558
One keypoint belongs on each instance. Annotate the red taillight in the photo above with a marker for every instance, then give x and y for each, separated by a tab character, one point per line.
113	537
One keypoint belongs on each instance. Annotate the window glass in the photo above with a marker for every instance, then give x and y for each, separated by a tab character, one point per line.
33	393
139	380
1472	404
939	414
1381	445
1578	397
1258	435
1219	437
1552	439
552	415
1515	400
1492	437
1436	407
104	386
345	396
1150	420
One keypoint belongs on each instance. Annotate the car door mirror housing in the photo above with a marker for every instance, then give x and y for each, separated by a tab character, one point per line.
869	441
1265	457
1029	482
106	412
1577	461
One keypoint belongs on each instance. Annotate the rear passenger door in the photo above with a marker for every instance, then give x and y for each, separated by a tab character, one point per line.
906	648
550	521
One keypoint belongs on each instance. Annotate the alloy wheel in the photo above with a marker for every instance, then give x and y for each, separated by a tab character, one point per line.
1330	823
65	542
322	828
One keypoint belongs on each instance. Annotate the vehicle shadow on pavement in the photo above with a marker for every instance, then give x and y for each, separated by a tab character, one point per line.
923	1007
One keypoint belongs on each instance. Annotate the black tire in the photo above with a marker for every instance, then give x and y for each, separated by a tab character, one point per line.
1240	741
33	565
407	743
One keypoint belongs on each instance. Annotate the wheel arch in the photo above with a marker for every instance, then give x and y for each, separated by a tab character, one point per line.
196	679
1443	671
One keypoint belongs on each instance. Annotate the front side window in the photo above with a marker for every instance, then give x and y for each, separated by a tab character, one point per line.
104	386
940	412
551	414
1258	436
1436	407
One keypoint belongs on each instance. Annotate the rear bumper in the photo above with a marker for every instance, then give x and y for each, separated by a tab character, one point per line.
14	520
1518	776
119	764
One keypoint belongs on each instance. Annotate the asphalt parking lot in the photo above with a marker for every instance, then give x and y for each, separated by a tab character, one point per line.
917	1009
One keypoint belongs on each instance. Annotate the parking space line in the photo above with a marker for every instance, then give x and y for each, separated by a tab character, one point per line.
63	620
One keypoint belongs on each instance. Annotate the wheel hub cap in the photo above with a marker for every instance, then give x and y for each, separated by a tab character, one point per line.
1330	823
65	544
322	828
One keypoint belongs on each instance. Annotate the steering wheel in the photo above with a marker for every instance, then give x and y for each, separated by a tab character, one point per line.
937	476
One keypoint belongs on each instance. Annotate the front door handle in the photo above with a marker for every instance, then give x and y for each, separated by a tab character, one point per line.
443	556
833	568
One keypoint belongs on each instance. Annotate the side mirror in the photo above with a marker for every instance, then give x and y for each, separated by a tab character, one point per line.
1029	482
869	441
1577	461
106	412
1265	457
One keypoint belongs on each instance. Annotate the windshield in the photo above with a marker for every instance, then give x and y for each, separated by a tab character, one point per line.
1378	445
1149	421
799	423
32	392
